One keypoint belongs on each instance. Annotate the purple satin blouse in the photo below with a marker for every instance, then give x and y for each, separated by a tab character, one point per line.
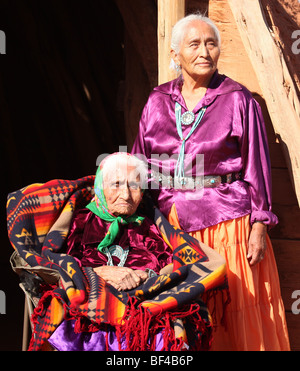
147	248
231	137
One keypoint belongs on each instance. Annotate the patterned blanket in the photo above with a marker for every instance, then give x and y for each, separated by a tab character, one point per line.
38	220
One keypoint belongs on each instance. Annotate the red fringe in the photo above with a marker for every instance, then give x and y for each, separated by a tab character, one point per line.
40	311
83	324
140	328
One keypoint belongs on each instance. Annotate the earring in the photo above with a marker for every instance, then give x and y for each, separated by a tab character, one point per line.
178	68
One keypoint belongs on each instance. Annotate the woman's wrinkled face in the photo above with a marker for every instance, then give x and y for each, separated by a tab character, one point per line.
122	191
199	51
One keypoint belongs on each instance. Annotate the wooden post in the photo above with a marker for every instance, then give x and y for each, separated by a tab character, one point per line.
169	12
275	81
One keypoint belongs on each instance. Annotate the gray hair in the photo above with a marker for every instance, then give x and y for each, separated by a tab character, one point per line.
180	29
122	160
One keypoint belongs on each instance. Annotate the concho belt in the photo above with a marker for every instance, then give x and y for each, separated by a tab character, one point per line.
190	183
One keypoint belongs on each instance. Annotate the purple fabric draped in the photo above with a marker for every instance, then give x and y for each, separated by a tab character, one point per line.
65	339
232	138
147	248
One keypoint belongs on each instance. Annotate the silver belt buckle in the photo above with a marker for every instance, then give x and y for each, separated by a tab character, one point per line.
185	183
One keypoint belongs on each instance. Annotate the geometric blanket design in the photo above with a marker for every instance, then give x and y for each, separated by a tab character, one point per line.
38	220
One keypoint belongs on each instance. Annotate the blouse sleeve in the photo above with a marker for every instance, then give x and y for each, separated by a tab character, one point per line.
257	165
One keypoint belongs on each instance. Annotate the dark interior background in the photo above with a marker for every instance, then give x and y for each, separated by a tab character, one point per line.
61	106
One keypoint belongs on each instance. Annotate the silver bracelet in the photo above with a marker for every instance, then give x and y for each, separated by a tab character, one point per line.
150	272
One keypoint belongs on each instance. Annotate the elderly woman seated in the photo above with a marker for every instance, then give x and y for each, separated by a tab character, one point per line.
122	247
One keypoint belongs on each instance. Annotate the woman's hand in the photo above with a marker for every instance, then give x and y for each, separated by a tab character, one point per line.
121	278
257	243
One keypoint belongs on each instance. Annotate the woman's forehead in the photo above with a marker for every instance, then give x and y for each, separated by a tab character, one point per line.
118	173
199	29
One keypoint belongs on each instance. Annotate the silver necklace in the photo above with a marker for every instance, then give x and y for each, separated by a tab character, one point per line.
118	252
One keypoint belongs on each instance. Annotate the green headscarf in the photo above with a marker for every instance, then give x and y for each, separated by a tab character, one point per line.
99	207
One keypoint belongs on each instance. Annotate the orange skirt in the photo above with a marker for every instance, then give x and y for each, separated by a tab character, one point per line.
255	317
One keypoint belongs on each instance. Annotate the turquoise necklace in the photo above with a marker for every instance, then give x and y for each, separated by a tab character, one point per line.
186	119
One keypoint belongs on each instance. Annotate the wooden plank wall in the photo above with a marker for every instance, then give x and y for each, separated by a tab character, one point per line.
285	237
175	10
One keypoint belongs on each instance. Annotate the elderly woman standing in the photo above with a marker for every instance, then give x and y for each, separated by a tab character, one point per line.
203	112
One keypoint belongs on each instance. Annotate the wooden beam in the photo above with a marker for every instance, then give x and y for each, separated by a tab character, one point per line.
275	81
168	13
